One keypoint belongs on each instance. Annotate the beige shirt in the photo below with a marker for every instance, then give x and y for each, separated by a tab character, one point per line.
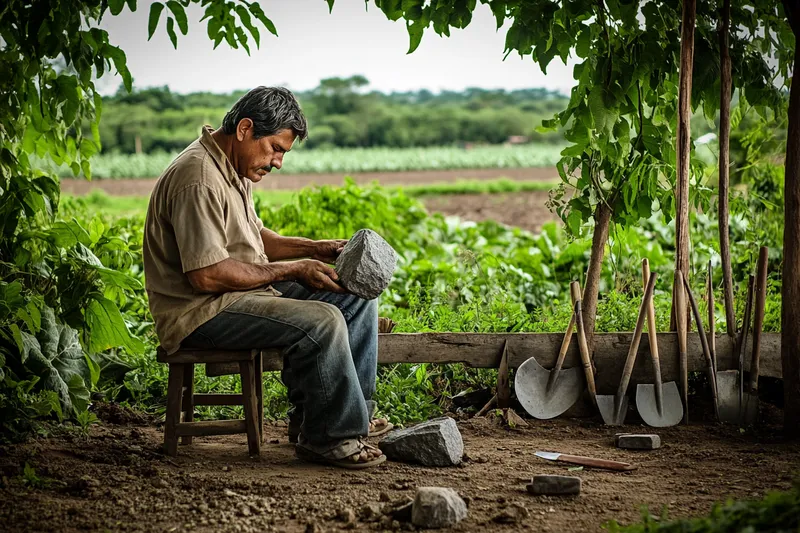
200	213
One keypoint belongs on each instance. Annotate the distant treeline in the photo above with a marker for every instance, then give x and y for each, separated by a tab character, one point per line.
341	112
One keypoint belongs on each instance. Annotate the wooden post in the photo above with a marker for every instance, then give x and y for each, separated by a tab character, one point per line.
725	165
187	404
790	310
173	415
247	371
602	223
683	149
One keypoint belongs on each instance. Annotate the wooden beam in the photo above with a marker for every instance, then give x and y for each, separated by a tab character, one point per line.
211	427
218	399
481	350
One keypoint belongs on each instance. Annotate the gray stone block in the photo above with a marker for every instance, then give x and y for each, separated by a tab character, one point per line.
436	507
555	485
434	443
638	442
366	265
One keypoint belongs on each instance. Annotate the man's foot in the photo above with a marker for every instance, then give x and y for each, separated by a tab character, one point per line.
379	426
352	454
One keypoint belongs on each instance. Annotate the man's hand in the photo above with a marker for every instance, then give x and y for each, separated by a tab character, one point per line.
328	251
317	275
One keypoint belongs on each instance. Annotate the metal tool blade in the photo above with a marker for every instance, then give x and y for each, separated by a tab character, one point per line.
550	456
605	404
671	407
530	384
728	396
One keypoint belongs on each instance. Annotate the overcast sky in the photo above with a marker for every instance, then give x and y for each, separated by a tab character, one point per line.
314	44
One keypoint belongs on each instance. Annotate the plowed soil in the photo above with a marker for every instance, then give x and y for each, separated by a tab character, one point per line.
115	479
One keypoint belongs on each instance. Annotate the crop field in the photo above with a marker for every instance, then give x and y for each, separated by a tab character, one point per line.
348	160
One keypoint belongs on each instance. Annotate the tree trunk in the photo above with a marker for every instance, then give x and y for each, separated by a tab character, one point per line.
602	222
724	166
790	311
683	149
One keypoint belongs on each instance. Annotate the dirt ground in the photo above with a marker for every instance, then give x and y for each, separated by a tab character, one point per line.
116	479
524	210
142	187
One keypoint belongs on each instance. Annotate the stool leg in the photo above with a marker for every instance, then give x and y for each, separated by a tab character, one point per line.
247	371
173	416
259	363
187	404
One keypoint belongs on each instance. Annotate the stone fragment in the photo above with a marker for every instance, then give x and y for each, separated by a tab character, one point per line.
159	483
437	507
639	442
371	512
512	514
366	265
555	485
434	443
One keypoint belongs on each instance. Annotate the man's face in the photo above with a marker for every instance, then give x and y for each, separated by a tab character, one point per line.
255	158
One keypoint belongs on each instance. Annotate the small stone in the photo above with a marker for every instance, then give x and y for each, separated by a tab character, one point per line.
551	510
436	507
346	515
555	485
280	423
203	507
511	515
366	265
434	443
371	512
244	510
384	497
159	483
226	468
639	442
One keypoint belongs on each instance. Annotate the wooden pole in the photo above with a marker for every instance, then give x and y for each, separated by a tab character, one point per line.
683	149
790	310
725	165
602	223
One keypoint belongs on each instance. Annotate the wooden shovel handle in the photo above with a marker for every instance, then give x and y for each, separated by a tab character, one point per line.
596	463
758	323
712	375
562	354
652	331
712	317
637	337
503	384
679	295
586	358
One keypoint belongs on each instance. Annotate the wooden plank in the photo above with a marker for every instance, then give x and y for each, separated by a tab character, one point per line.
218	399
272	360
211	427
205	356
480	350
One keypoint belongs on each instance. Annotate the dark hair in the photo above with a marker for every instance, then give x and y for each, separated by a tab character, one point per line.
271	109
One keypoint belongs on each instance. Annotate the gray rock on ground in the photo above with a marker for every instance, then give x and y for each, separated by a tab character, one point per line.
434	443
436	507
366	265
638	442
555	485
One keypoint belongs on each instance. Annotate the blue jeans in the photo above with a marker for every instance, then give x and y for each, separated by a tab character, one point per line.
330	352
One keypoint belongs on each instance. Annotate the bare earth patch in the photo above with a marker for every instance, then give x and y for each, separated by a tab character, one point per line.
526	210
116	479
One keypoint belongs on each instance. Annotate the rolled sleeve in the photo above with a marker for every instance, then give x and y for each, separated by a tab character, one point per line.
198	219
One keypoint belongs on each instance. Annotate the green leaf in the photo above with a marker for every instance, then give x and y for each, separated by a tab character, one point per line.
116	6
257	12
180	15
96	229
575	469
330	5
78	393
244	15
155	14
171	32
94	369
583	43
107	329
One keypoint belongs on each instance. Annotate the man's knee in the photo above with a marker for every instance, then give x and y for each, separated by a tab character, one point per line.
329	324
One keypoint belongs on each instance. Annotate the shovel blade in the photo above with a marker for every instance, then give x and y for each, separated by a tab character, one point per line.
671	405
728	396
605	403
750	410
530	384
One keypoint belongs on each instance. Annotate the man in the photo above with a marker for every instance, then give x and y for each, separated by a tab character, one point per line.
211	282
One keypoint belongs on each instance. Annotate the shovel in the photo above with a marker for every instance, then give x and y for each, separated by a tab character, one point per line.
750	410
730	388
546	394
712	373
679	296
658	404
613	408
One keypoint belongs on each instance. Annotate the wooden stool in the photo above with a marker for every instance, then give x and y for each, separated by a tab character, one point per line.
181	399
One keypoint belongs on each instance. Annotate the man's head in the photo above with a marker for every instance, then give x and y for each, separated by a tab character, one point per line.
262	126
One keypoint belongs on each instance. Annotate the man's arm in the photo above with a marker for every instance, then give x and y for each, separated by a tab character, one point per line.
280	248
232	275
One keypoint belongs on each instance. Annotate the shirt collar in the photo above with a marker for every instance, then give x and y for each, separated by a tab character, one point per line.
219	157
